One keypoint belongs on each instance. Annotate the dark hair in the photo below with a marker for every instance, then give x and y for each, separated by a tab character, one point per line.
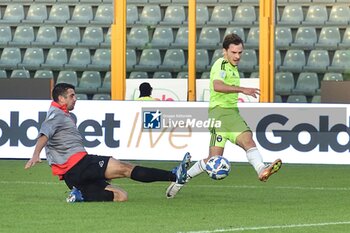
61	89
231	39
145	89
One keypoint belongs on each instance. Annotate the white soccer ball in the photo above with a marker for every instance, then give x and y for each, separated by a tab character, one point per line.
218	167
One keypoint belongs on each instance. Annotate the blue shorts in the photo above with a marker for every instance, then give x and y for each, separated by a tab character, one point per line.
88	175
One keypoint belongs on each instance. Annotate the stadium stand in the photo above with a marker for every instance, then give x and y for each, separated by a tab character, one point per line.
70	36
43	74
5	34
296	99
32	59
311	36
10	58
46	36
23	35
68	76
318	61
284	83
20	74
307	84
174	15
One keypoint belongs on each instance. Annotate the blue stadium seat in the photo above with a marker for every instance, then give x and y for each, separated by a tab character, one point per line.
82	13
316	15
101	60
10	57
5	34
138	37
163	37
59	14
14	13
93	36
138	75
202	60
345	42
329	76
294	60
46	36
79	59
297	99
284	83
37	13
249	61
307	84
209	37
174	15
43	74
150	15
132	14
329	38
318	61
162	75
67	76
339	15
221	15
283	37
202	14
20	73
32	59
252	38
70	36
23	35
174	60
305	37
181	38
89	82
292	15
56	58
130	59
104	14
245	15
340	61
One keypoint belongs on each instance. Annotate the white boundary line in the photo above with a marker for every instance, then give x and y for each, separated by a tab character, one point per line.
270	227
195	186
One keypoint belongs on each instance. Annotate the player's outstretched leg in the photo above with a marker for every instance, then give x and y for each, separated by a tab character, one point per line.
181	176
270	170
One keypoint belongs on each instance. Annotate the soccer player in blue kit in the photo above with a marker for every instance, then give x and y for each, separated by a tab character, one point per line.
88	175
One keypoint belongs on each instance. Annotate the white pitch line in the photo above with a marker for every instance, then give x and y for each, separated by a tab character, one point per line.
270	227
197	186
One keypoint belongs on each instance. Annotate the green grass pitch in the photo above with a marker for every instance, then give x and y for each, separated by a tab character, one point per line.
299	198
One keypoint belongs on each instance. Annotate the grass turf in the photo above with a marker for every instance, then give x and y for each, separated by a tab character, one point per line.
300	198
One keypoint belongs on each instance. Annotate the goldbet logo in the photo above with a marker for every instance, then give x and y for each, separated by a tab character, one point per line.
16	131
324	135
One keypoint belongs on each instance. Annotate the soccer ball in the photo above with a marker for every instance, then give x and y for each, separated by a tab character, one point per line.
218	167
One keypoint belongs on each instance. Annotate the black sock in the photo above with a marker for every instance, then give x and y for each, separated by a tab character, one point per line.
145	174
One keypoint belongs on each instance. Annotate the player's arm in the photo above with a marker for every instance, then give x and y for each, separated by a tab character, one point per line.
42	140
220	86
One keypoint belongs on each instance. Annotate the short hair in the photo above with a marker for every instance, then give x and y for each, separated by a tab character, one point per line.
61	89
231	39
145	89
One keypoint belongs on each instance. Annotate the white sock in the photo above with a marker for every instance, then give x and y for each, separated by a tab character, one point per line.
255	159
196	169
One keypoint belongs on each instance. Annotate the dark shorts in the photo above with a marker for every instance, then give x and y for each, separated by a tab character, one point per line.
88	175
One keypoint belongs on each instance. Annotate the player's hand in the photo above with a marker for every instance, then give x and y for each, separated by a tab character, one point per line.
34	160
254	92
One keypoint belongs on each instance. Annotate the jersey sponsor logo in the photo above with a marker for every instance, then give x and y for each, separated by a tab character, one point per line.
101	163
323	136
152	119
